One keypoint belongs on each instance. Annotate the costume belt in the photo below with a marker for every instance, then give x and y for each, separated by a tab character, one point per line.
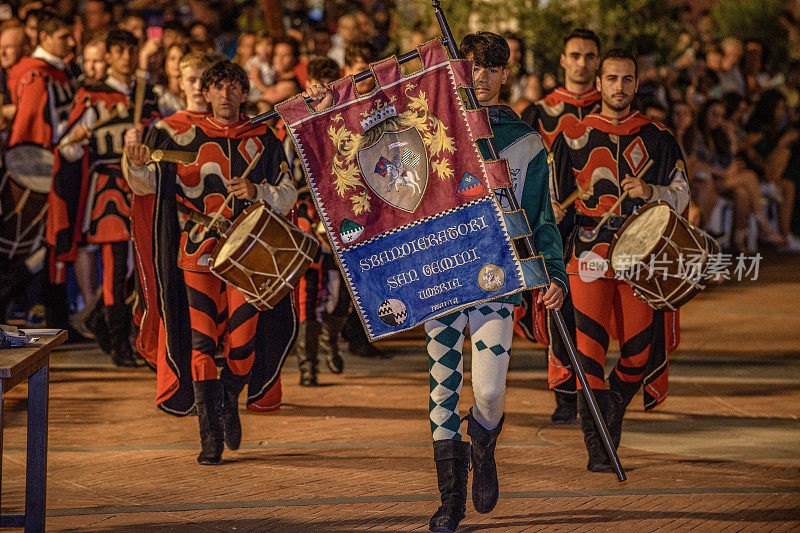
614	222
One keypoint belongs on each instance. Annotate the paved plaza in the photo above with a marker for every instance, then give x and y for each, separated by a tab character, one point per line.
721	454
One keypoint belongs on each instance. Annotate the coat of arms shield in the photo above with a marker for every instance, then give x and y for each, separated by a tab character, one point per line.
395	167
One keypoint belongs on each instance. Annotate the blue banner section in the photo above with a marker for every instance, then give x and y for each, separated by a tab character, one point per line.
408	276
517	224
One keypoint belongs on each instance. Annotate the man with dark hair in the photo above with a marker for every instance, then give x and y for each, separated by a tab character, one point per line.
622	160
564	107
221	146
490	323
98	211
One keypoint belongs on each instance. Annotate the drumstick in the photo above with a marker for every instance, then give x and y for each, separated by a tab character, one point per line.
138	102
194	233
201	233
610	212
114	113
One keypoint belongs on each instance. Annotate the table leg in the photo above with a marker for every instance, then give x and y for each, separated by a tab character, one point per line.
36	474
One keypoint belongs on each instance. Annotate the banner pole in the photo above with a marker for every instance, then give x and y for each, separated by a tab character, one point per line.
361	76
573	355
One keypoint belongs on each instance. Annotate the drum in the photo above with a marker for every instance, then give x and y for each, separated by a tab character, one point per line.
263	255
24	188
662	256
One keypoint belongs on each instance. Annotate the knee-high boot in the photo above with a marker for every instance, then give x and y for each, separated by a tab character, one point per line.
208	395
609	403
485	487
452	465
308	351
334	326
231	425
119	320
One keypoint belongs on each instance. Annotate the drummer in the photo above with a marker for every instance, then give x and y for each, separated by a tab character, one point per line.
232	163
39	85
632	160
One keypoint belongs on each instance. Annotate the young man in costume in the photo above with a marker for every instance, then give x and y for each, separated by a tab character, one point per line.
323	300
97	208
213	153
624	152
491	324
564	107
41	89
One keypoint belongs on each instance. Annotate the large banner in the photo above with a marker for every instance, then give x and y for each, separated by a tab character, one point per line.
406	198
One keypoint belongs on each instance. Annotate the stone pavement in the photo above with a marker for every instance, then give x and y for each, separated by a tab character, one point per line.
721	454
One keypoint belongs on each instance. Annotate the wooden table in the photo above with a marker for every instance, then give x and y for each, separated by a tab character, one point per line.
16	365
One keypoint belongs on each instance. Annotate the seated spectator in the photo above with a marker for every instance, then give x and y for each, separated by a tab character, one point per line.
704	195
774	138
718	160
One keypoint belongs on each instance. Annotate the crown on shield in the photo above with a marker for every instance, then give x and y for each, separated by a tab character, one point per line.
382	111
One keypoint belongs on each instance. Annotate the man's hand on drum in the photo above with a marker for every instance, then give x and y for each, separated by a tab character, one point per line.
321	96
636	187
242	188
552	298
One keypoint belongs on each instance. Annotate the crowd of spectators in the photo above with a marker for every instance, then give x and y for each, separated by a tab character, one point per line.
736	121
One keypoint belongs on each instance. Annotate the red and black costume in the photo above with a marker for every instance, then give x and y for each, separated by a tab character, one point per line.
41	86
549	116
90	198
559	110
610	150
255	343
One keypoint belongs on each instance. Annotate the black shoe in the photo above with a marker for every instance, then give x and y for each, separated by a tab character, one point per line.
333	326
96	324
119	321
208	396
452	465
485	487
598	457
566	408
307	349
231	425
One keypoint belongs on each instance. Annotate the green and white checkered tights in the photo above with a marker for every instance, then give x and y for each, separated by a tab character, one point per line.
492	327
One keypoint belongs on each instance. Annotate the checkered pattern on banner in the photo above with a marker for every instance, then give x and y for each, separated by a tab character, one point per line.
410	158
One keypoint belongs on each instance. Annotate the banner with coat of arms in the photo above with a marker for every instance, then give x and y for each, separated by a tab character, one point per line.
406	198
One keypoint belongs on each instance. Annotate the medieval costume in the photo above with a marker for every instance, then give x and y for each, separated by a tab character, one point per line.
491	329
91	199
601	151
41	87
254	342
558	110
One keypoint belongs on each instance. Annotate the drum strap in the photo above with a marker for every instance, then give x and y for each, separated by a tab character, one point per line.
588	222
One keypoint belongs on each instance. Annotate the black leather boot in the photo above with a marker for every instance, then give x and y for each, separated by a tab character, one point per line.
231	425
13	282
334	326
485	488
308	351
208	396
566	408
598	457
626	391
119	321
452	465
